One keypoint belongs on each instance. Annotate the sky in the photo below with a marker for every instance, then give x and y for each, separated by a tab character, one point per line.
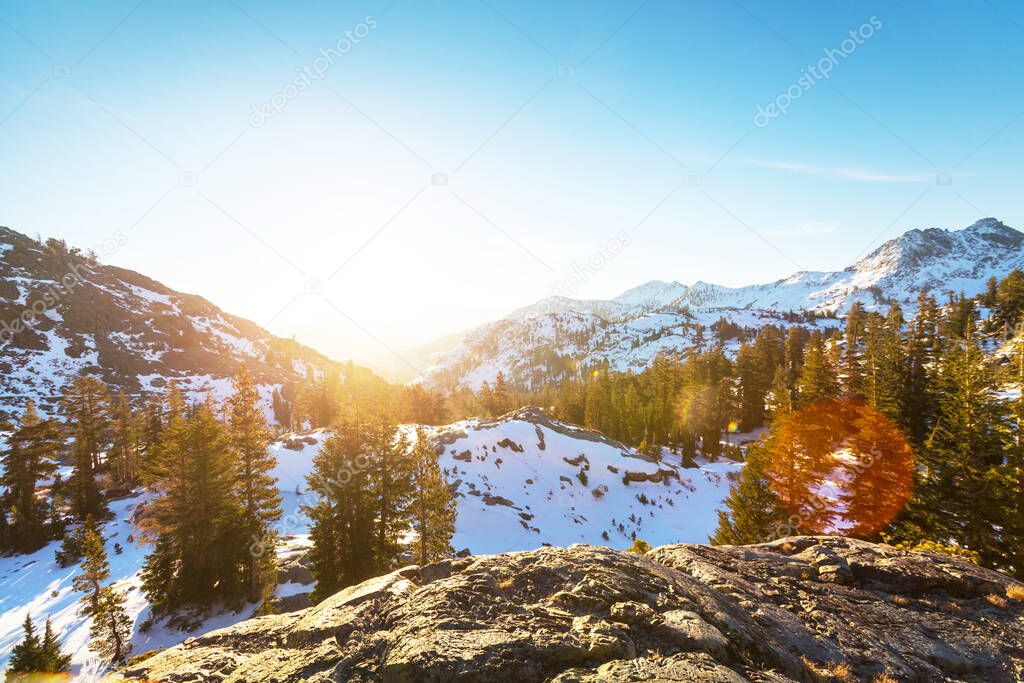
370	175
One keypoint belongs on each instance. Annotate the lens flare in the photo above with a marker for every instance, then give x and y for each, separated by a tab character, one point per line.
840	467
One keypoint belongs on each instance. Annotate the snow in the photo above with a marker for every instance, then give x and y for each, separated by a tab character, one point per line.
560	513
630	330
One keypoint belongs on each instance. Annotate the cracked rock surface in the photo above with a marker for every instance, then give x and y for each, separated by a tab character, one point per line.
799	609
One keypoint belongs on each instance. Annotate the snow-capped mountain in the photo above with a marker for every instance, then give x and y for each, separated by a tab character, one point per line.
558	335
62	313
520	482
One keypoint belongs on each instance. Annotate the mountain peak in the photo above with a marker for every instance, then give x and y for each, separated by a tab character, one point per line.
653	291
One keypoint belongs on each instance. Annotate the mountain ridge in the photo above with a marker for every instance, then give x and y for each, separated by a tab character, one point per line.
629	330
63	313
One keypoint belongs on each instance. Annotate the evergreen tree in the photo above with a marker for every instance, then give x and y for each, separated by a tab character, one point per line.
1009	482
886	373
952	500
111	630
199	552
390	487
920	359
53	658
123	456
853	380
33	656
818	377
501	401
86	407
781	395
1009	302
95	567
753	511
31	455
256	486
433	508
26	656
342	528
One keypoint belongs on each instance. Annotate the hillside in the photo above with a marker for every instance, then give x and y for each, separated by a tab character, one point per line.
799	609
557	336
63	313
517	487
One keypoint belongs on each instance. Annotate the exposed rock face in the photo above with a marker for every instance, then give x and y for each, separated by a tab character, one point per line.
800	609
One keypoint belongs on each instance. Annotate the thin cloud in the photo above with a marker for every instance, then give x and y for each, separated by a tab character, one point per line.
844	172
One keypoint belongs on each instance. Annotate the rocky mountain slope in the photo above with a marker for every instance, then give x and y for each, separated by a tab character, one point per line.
799	609
558	335
62	313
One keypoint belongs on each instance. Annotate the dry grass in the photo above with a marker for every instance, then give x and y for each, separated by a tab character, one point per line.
884	678
900	600
787	547
1015	592
829	673
506	584
997	600
841	672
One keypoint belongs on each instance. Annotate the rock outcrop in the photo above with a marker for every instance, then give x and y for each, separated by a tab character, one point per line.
799	609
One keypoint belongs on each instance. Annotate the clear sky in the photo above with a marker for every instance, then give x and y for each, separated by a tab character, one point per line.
450	160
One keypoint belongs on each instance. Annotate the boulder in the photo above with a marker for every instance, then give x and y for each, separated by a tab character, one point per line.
798	609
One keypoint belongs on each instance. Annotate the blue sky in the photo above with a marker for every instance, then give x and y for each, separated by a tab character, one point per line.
453	160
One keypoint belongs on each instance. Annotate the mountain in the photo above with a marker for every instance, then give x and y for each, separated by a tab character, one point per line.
521	482
557	336
63	313
798	609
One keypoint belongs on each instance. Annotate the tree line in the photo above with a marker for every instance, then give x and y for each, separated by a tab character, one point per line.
214	501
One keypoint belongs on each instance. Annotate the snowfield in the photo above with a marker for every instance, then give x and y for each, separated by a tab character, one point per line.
517	484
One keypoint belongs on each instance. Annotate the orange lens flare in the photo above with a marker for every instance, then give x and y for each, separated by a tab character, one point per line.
840	467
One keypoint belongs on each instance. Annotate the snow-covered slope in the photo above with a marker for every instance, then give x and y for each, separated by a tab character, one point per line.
517	484
62	313
558	335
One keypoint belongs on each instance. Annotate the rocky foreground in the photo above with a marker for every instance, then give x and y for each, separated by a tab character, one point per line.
800	609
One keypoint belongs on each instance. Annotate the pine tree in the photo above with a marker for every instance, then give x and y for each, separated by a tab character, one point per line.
1009	482
753	512
952	500
31	455
342	528
111	630
123	456
853	380
256	486
32	655
886	373
502	402
433	508
390	487
199	552
781	395
26	656
918	393
53	658
95	567
818	377
86	406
